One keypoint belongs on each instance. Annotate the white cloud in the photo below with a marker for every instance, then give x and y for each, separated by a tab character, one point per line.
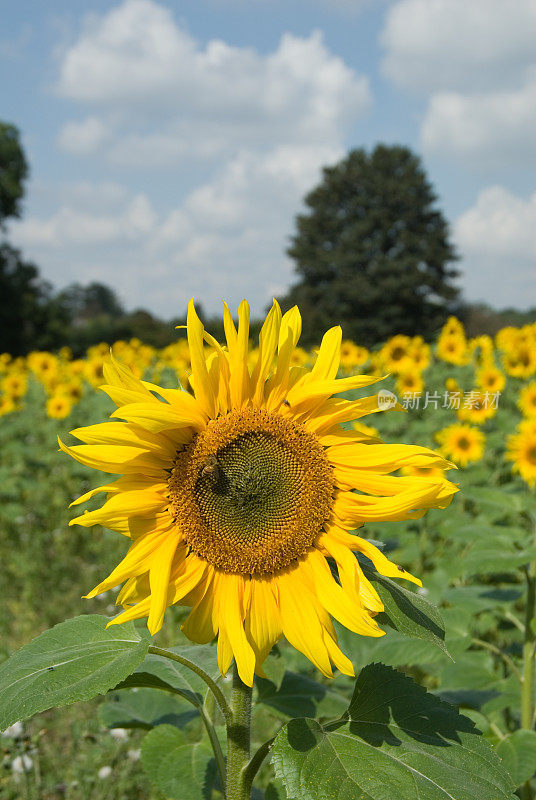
498	246
476	62
72	225
497	126
136	64
84	137
225	240
436	45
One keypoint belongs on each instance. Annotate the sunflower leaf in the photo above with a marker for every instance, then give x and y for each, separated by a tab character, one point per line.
158	672
76	660
145	708
407	612
396	740
299	695
182	770
518	754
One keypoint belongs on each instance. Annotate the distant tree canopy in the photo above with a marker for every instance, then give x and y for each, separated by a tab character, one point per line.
373	252
13	172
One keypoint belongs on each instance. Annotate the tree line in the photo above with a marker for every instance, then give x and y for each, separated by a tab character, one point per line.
372	251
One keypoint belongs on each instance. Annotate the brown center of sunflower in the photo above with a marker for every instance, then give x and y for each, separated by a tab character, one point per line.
251	492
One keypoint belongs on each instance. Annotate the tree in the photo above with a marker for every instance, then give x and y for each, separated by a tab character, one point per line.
13	172
29	318
87	302
373	251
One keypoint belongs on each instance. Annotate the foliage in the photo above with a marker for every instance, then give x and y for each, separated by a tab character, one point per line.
13	172
372	251
441	709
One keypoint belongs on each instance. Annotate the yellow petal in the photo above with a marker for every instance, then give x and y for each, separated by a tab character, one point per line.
336	601
231	619
204	391
125	483
329	355
159	582
117	458
268	339
157	418
301	625
136	562
122	506
263	620
240	388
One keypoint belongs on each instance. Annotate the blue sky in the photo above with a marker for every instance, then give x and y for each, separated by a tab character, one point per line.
171	143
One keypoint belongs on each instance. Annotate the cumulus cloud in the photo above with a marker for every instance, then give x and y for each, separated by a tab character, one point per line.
226	239
497	125
475	61
135	63
496	240
436	45
83	137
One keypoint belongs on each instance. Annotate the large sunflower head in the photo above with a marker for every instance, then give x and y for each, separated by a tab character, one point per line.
238	496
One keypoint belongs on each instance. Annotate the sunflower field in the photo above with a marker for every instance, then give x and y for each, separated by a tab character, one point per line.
460	649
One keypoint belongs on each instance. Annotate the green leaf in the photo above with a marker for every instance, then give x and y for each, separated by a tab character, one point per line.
144	708
76	660
518	754
161	673
300	696
407	612
396	741
182	770
496	498
491	561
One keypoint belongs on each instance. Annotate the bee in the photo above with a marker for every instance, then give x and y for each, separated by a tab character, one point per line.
286	403
210	467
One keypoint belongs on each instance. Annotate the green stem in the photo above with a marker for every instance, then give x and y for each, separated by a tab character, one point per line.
238	740
212	685
527	691
529	650
216	747
255	762
505	657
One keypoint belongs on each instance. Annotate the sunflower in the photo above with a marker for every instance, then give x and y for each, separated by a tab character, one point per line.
452	348
477	407
395	353
522	451
236	496
59	406
490	379
527	400
410	382
14	385
453	326
367	430
423	472
7	405
520	361
462	443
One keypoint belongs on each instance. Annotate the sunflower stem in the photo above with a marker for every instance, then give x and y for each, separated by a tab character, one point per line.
529	652
238	740
212	685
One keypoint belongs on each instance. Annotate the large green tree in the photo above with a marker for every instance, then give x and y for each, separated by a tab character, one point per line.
13	172
372	251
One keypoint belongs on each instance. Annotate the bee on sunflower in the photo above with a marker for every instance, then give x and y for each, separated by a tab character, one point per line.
239	495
